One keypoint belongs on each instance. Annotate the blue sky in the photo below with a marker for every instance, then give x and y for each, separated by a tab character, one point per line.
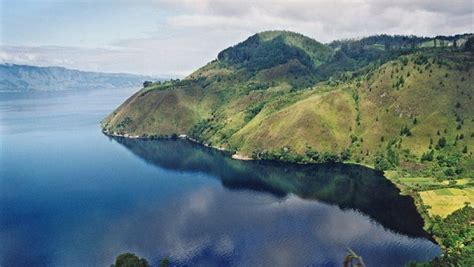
82	23
172	38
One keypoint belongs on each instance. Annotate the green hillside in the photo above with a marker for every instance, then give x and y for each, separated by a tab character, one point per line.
402	104
267	98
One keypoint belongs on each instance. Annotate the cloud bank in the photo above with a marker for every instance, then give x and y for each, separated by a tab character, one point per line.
190	33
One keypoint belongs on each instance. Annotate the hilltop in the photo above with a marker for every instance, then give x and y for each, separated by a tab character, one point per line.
400	104
23	78
281	95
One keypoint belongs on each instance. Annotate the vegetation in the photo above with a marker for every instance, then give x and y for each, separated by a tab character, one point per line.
400	104
456	235
129	260
445	201
147	84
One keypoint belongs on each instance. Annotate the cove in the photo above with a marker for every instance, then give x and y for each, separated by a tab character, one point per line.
344	193
71	196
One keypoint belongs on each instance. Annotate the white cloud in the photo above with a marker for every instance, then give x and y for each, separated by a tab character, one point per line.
203	223
329	20
194	31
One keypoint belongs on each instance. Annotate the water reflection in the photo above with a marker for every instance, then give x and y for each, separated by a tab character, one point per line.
295	224
348	186
69	197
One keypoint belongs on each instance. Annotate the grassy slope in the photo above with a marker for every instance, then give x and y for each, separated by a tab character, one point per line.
310	122
230	105
322	117
430	97
283	110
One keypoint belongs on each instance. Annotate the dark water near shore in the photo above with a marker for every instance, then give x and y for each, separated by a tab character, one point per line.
70	196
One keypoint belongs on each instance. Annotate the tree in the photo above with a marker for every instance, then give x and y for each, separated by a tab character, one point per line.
329	157
346	154
464	150
380	163
130	260
427	156
405	131
456	231
442	142
469	45
392	157
147	84
449	172
165	262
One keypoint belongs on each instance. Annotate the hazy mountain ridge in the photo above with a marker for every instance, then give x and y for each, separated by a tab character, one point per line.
19	78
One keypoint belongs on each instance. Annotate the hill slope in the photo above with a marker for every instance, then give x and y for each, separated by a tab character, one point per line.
19	78
262	105
400	104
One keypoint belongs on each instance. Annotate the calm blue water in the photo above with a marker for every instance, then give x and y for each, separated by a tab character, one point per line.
70	196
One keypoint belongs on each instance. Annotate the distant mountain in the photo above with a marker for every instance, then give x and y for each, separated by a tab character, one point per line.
19	78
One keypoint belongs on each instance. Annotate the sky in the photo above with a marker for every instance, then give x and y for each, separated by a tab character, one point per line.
173	38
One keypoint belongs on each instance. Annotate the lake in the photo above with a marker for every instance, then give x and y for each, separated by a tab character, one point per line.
71	196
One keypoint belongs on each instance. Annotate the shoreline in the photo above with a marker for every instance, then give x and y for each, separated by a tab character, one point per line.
403	191
236	155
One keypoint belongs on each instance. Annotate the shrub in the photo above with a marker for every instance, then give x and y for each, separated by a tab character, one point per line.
123	123
353	139
405	131
380	163
312	154
392	157
165	262
346	154
329	157
251	112
449	172
456	231
441	142
427	156
129	260
458	170
147	84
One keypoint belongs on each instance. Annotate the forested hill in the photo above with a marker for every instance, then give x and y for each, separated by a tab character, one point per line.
385	101
19	78
283	95
402	104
